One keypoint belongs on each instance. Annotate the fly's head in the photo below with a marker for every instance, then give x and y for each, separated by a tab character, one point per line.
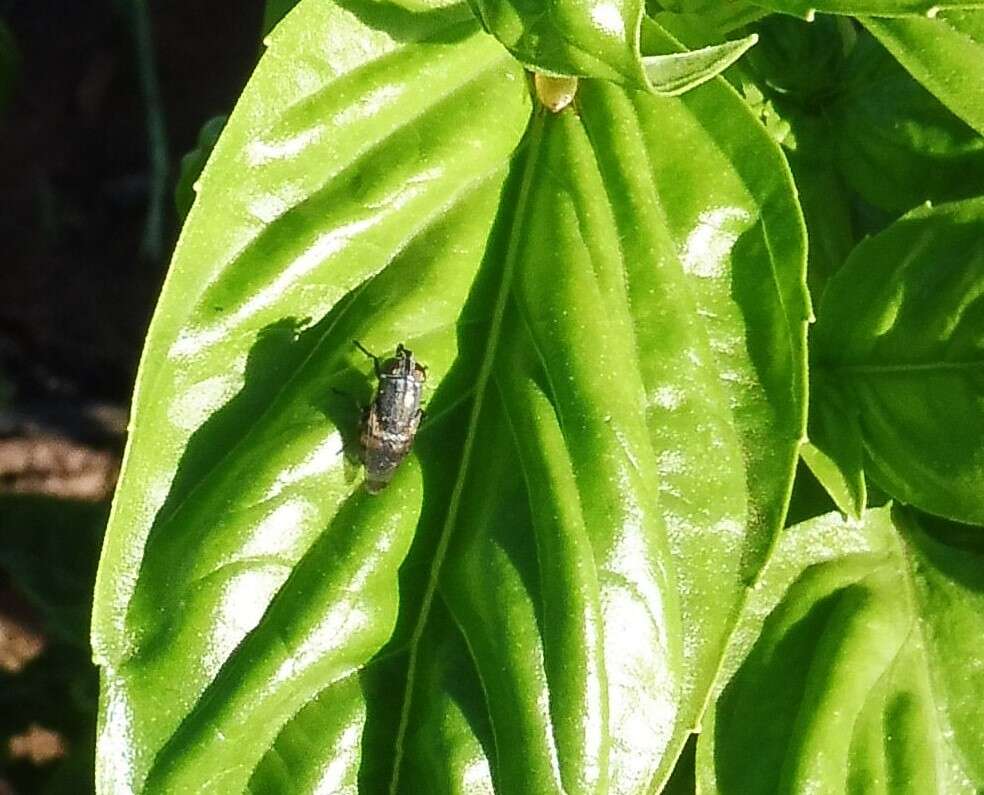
404	365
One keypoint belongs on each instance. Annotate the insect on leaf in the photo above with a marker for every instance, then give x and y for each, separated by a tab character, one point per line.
610	302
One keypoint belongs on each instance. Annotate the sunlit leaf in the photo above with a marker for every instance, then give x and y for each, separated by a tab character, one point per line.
345	175
677	73
602	39
710	16
945	53
855	667
612	312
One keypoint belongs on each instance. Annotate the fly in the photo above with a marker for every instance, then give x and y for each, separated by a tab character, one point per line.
391	421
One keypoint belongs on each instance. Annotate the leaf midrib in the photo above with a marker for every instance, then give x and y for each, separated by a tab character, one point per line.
908	568
481	385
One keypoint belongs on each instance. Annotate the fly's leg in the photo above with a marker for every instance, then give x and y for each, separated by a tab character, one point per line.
375	359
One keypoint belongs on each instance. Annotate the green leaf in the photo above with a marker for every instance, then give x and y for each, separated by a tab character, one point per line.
807	9
791	80
274	11
835	452
709	15
344	177
945	54
601	39
599	304
193	163
676	72
591	39
856	666
897	146
826	203
899	338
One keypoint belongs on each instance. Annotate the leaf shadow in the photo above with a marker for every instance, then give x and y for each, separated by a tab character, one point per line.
281	350
439	448
286	624
771	346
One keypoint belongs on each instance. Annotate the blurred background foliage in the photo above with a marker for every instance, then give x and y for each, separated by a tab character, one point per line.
100	105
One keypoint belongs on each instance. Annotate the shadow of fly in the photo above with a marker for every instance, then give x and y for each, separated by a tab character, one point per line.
391	421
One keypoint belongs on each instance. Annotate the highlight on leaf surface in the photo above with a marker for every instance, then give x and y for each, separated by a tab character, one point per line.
541	598
605	40
854	664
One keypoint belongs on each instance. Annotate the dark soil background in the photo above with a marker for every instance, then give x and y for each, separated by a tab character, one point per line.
105	99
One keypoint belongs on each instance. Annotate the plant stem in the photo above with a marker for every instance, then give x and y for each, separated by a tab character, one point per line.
152	246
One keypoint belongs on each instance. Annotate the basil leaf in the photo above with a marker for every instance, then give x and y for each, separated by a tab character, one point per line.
855	665
945	54
898	336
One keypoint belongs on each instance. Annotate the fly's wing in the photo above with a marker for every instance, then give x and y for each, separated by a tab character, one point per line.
385	444
390	429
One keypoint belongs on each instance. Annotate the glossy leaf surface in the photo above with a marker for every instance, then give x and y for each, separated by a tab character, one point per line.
602	40
855	667
946	54
368	151
539	601
596	38
898	343
678	72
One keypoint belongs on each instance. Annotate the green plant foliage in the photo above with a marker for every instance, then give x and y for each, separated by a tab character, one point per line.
274	11
193	163
946	54
807	9
836	456
897	361
579	556
795	79
601	39
703	17
856	666
611	305
675	72
897	146
862	129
